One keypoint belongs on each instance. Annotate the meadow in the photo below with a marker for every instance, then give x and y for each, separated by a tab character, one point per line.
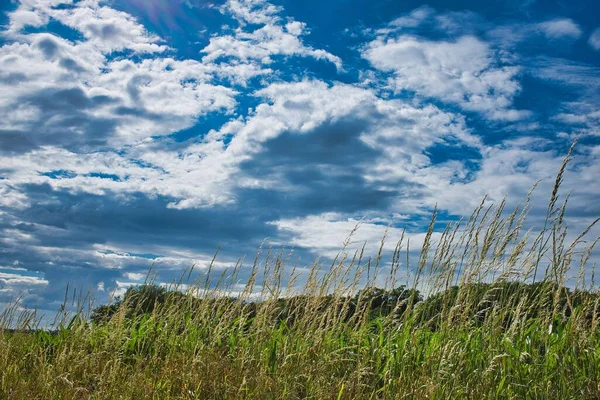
488	309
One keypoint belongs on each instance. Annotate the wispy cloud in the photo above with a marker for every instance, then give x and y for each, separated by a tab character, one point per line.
560	28
594	39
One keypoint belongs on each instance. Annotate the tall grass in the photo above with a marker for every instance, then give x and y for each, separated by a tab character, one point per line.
509	313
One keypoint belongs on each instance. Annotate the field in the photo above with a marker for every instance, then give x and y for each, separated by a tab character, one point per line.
490	309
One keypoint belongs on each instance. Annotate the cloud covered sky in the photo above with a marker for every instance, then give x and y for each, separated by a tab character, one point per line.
146	131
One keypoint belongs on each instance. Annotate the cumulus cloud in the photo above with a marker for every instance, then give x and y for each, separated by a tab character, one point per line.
276	37
253	11
72	95
96	100
105	28
465	72
393	129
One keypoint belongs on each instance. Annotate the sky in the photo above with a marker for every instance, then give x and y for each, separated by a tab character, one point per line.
151	132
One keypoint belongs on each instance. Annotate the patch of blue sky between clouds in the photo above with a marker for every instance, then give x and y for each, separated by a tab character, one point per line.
154	131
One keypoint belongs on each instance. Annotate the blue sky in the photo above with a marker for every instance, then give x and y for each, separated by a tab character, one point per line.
150	131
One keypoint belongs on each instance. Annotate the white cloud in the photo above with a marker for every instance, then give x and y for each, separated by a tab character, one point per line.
326	234
463	72
108	256
24	17
175	92
103	27
397	130
508	36
142	99
90	267
253	11
276	37
583	79
570	118
594	39
560	28
18	283
413	19
451	22
455	22
67	103
111	257
112	102
512	169
583	119
13	280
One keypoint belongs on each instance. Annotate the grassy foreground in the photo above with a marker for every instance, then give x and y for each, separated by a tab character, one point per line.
484	330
